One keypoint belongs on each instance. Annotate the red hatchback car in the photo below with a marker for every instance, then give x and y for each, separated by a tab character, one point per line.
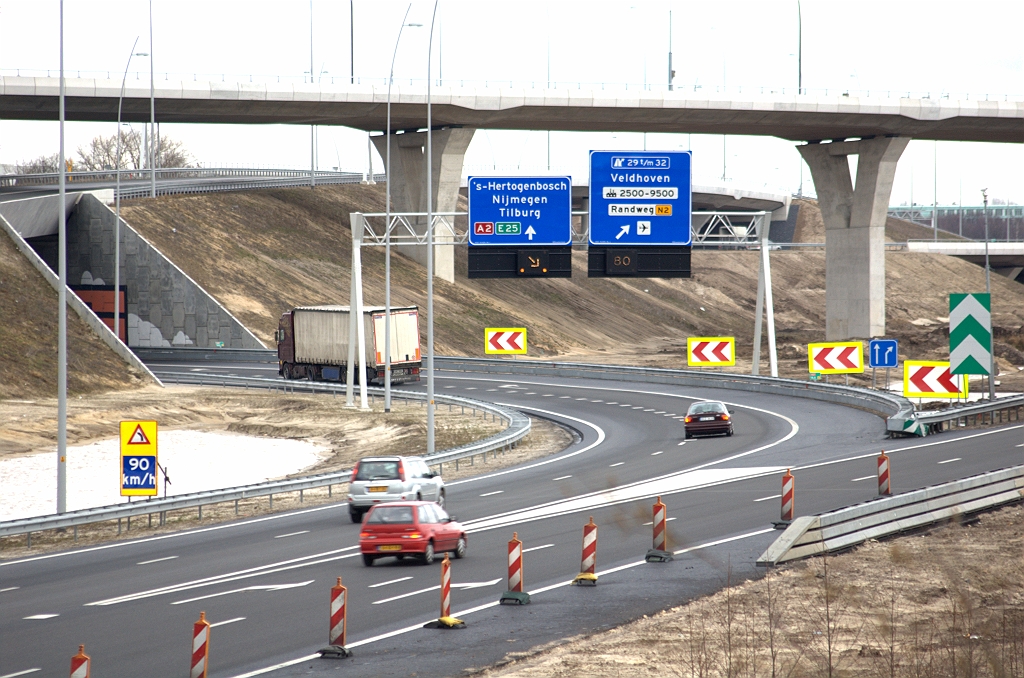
707	416
410	528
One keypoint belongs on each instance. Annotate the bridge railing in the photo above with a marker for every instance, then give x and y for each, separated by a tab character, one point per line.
171	173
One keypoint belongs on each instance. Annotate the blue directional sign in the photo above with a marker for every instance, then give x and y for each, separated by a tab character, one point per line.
520	211
883	353
640	198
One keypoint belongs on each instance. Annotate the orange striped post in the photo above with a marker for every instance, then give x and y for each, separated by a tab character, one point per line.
339	624
787	496
660	553
588	564
515	594
446	620
883	475
80	664
200	647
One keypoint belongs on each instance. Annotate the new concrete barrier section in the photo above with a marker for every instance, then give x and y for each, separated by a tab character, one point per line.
841	529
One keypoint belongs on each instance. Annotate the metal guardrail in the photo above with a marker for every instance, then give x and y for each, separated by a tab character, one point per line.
1006	410
841	529
171	173
518	426
233	355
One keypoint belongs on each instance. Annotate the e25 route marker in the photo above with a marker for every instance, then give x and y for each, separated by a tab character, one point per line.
932	379
835	357
704	351
505	340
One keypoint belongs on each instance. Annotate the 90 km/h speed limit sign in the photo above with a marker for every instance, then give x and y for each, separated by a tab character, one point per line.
138	458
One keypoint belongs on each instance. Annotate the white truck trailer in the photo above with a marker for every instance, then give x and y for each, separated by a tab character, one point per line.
313	343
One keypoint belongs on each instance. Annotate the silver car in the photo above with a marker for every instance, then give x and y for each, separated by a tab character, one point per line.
377	480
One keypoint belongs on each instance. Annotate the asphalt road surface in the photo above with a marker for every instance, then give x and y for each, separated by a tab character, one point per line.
264	583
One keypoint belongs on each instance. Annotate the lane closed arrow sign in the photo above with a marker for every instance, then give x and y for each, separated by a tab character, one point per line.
505	340
705	351
932	379
835	357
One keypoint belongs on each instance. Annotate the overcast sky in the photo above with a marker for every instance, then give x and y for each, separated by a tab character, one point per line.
932	48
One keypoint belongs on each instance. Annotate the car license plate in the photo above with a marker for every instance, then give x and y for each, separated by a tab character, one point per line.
378	488
389	547
707	418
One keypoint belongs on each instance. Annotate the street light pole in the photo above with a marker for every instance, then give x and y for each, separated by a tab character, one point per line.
671	73
62	307
387	226
117	202
988	291
430	251
152	111
312	128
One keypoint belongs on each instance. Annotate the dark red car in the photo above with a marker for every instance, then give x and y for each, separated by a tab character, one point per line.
410	528
707	416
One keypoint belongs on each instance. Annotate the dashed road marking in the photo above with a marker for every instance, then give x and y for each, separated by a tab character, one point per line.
537	548
291	534
37	617
682	443
227	621
581	399
774	496
620	463
488	494
548	395
660	412
10	588
471	388
531	393
562	478
857	480
406	595
650	409
564	397
655	454
949	461
385	583
601	401
19	673
666	520
156	560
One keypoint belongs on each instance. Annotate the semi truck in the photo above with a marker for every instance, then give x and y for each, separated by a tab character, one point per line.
313	342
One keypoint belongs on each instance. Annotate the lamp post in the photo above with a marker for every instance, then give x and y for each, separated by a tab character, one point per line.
312	128
430	251
387	224
117	200
988	291
152	112
62	309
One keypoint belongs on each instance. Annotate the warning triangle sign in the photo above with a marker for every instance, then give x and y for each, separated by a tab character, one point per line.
139	437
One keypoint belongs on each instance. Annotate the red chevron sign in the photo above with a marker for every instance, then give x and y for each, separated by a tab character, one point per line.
931	379
841	357
703	351
505	340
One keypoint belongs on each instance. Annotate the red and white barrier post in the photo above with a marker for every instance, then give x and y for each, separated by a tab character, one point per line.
883	475
339	624
80	664
660	552
788	493
446	620
200	647
515	594
588	564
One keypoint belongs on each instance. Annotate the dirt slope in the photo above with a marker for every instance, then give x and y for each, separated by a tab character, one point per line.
262	253
28	339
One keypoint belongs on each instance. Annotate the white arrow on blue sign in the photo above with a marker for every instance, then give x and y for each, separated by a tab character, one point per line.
883	353
520	211
640	198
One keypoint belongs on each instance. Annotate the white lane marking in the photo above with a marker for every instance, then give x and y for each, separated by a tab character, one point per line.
156	560
492	389
681	444
949	461
548	395
625	405
227	621
449	387
385	583
655	454
291	534
618	463
271	568
1021	445
468	585
660	412
537	548
639	407
9	588
471	388
531	393
580	398
774	496
612	402
666	520
36	617
419	625
266	587
649	409
857	480
489	494
564	397
562	478
671	414
19	673
601	401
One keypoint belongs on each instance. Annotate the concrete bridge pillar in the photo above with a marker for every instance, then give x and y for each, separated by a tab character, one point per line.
408	177
854	214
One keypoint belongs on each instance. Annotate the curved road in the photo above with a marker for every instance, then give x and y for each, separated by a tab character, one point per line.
264	582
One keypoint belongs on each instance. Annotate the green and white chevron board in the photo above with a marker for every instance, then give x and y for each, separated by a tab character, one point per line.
970	333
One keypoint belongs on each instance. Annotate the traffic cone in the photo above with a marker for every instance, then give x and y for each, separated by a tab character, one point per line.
200	647
588	564
660	553
80	664
515	594
339	624
884	489
446	620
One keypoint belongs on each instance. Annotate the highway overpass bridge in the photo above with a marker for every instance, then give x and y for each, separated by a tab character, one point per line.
833	127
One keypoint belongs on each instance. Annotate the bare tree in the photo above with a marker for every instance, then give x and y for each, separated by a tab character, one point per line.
44	164
101	153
